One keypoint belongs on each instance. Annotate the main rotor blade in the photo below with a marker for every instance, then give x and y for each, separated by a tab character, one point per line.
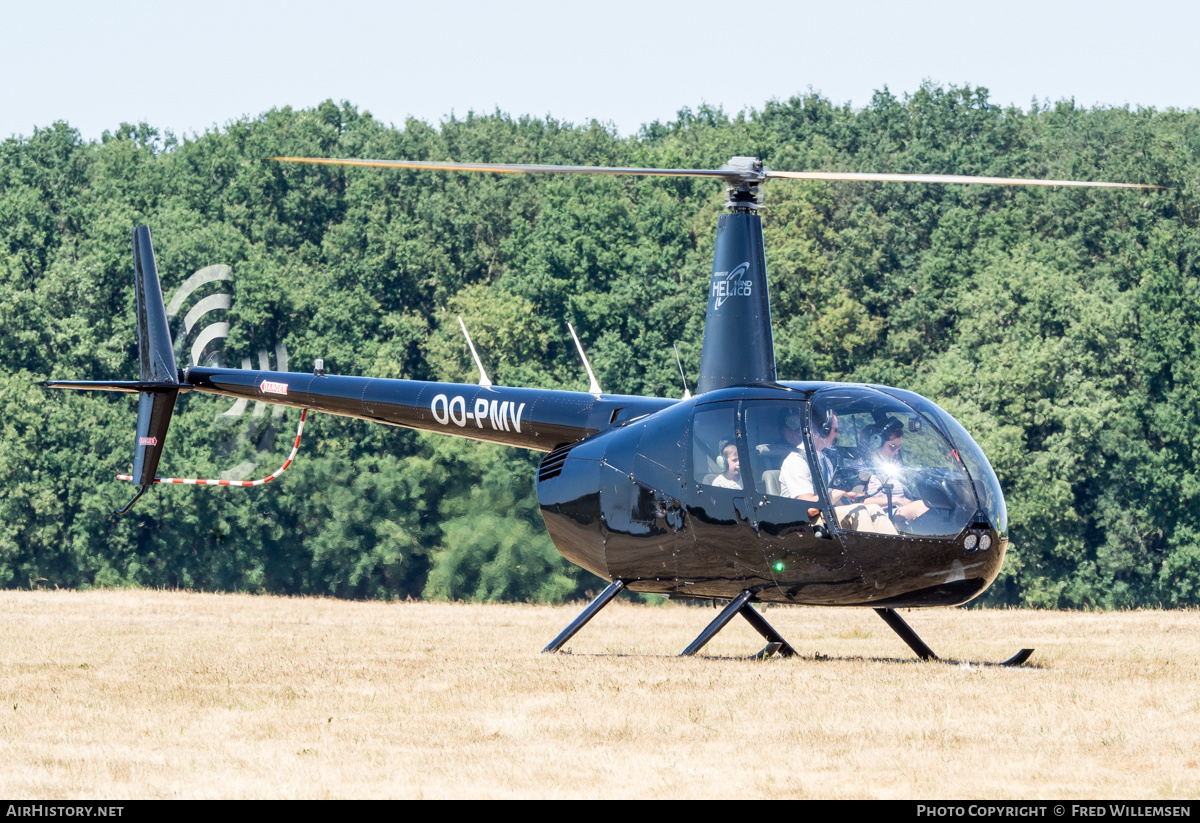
949	178
732	174
502	168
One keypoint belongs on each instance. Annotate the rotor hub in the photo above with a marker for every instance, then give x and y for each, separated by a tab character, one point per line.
743	177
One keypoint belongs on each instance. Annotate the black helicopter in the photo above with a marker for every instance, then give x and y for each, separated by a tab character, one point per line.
753	490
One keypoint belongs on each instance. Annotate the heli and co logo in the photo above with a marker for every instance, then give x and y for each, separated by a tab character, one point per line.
727	284
270	387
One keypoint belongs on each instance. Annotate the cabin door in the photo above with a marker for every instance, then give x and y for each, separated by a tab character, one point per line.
720	507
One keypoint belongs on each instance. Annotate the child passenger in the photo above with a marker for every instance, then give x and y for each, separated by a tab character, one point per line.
731	478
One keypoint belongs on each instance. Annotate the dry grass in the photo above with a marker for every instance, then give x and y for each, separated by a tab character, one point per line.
127	694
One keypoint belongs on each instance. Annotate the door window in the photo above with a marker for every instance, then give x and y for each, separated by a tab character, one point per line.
779	460
716	459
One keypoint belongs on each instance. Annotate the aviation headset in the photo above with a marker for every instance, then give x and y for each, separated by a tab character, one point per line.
722	465
823	422
886	429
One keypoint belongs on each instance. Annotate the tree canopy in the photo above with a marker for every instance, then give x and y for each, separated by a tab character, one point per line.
1060	326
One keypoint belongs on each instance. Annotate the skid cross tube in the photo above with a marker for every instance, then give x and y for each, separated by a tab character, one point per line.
741	605
719	623
604	598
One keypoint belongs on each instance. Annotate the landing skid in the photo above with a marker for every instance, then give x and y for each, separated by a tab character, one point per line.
740	605
914	641
775	642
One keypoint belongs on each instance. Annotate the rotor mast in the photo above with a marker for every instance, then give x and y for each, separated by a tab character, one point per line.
739	347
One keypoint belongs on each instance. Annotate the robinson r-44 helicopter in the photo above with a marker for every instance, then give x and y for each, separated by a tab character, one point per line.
755	489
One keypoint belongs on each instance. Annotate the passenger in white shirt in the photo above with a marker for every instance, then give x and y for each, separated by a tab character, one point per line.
796	480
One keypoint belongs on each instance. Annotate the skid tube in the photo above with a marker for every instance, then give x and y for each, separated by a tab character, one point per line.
914	641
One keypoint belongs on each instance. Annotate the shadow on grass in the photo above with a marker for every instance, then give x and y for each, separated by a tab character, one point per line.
817	657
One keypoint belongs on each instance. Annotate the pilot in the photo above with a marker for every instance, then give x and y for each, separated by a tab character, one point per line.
731	478
795	476
882	459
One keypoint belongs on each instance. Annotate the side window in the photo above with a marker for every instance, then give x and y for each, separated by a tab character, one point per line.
774	435
716	460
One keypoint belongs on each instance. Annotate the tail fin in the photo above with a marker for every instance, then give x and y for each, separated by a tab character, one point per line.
159	384
157	356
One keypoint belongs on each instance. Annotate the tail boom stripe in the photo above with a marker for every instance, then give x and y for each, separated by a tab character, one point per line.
192	481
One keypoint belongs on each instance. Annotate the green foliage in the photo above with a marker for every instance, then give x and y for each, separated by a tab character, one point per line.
1060	326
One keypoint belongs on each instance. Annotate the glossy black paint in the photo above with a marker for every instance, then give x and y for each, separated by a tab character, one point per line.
622	504
156	364
538	419
618	500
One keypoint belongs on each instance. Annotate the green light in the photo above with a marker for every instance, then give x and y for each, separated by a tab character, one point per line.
778	566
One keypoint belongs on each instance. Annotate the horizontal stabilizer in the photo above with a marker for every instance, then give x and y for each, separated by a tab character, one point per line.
127	386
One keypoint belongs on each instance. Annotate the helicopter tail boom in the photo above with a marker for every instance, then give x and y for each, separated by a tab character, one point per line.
528	418
537	419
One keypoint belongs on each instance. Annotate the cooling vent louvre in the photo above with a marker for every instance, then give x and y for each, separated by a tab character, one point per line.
552	463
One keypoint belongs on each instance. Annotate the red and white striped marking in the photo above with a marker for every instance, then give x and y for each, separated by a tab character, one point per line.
191	481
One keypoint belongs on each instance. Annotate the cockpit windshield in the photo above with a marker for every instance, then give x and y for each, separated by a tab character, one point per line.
880	464
987	485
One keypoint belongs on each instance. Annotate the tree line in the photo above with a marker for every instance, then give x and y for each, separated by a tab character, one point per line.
1060	326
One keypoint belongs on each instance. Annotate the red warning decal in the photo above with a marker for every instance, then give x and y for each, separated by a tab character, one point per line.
147	441
273	388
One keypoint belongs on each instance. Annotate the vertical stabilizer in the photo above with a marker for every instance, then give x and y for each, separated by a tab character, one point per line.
157	362
738	347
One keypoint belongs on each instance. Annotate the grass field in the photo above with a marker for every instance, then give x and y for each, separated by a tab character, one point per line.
131	694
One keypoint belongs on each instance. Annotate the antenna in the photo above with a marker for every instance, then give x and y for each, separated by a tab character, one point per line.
483	378
594	388
687	393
